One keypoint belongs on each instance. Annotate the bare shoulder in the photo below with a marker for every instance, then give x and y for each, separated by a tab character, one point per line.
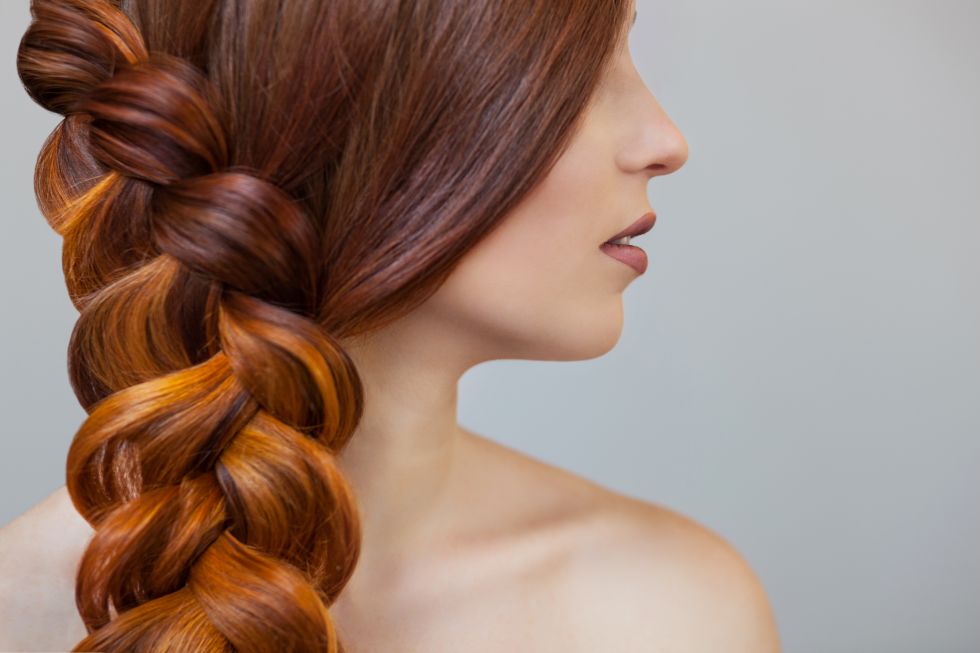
39	551
663	582
635	575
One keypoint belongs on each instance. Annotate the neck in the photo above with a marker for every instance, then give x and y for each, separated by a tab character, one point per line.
401	457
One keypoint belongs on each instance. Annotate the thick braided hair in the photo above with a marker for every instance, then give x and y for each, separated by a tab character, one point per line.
241	186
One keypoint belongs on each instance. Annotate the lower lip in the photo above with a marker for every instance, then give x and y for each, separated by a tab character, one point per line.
631	255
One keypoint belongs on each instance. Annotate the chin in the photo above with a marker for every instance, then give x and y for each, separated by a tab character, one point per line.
584	339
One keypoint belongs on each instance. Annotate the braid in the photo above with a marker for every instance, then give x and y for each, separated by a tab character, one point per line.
216	403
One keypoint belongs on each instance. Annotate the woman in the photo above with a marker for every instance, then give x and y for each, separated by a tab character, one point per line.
289	227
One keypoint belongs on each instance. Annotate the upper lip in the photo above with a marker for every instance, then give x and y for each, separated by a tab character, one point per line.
641	226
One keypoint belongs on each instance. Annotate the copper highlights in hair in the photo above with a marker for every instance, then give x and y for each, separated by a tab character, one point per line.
240	186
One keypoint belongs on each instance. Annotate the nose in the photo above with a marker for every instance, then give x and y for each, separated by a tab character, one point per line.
658	147
670	148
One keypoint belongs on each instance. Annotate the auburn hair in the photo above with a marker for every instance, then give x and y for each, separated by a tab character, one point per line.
241	186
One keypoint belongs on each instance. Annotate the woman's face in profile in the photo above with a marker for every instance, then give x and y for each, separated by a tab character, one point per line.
539	286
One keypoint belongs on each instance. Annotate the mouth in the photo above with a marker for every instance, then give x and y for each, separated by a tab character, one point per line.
641	226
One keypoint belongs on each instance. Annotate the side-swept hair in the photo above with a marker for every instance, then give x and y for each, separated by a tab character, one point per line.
240	186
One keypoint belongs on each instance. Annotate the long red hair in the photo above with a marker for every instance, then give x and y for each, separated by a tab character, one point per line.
241	185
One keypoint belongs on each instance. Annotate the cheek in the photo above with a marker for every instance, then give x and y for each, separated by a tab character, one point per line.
540	298
538	286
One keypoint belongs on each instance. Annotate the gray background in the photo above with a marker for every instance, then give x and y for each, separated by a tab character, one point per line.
799	369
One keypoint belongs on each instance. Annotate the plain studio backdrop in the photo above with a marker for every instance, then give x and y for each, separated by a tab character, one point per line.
799	368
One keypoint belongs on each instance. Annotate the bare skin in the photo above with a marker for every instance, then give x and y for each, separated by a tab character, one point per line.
543	561
469	545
